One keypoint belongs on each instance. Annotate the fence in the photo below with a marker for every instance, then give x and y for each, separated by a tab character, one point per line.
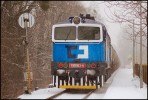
137	71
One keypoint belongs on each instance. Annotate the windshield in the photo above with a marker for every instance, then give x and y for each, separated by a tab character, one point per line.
65	33
88	33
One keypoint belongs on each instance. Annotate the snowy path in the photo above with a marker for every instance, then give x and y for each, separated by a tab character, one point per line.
124	86
121	85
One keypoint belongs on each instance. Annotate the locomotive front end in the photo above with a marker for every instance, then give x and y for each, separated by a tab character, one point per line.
78	53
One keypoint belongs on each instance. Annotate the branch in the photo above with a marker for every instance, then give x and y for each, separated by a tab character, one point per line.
18	65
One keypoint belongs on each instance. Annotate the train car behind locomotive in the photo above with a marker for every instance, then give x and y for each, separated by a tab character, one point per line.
81	53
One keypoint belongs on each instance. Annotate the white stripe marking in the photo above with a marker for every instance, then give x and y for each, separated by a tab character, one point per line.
85	48
56	81
81	83
73	81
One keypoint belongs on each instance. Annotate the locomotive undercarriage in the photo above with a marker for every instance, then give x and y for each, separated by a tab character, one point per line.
79	77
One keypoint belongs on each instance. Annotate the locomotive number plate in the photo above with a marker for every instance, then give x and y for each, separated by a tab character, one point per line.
75	65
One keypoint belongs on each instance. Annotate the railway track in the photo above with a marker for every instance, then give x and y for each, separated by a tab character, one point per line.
81	94
84	93
56	95
85	97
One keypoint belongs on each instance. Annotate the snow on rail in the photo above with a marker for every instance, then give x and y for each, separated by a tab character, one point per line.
41	93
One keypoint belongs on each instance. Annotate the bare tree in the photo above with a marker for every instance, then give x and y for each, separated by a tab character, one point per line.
129	10
13	53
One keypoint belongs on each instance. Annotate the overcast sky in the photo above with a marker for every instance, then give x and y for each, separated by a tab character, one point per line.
114	29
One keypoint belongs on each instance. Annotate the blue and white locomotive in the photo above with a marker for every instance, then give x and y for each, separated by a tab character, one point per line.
81	53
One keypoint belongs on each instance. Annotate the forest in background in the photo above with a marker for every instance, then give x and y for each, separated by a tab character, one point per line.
13	52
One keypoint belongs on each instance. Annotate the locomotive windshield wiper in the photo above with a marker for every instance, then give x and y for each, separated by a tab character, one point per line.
68	34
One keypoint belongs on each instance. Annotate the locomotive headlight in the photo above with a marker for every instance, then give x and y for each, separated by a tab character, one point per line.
76	20
91	72
60	71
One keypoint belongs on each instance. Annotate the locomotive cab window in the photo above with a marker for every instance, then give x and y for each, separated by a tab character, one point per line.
65	33
88	33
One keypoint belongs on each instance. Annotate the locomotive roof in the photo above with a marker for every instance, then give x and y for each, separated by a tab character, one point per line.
87	21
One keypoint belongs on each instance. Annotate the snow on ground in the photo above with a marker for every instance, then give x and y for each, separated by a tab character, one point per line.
124	86
121	85
100	92
71	96
41	93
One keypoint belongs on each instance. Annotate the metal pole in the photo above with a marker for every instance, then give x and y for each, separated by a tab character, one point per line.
29	75
28	64
133	51
141	69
